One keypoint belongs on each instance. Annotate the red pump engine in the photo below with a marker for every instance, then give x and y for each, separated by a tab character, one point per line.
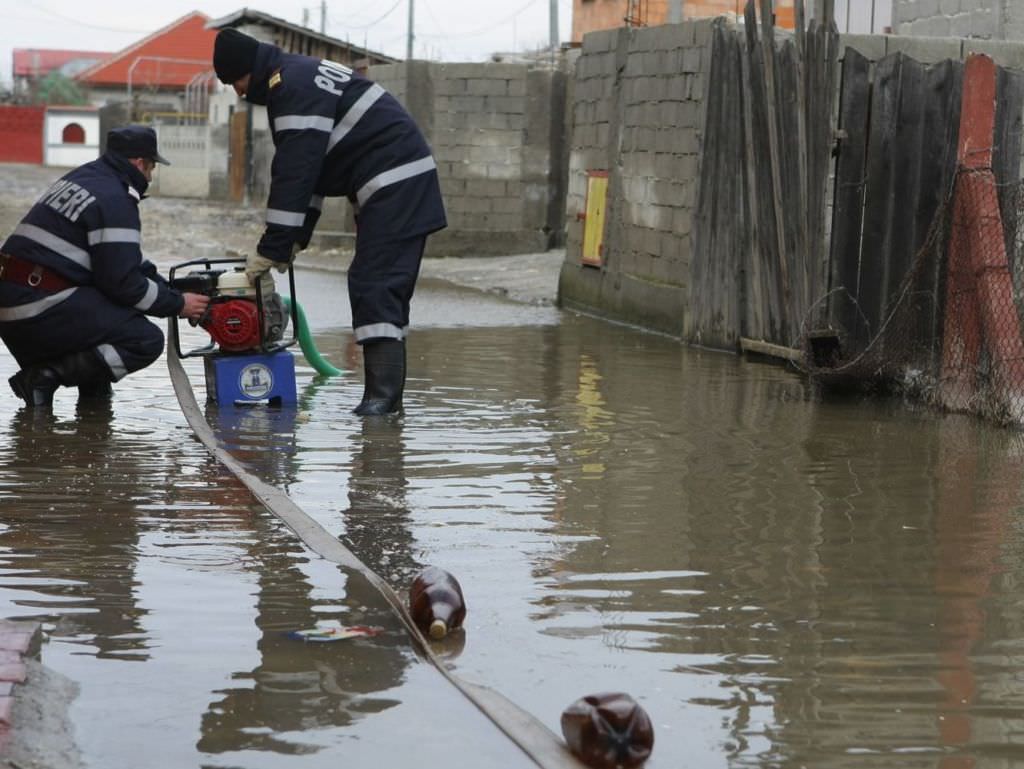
232	318
234	324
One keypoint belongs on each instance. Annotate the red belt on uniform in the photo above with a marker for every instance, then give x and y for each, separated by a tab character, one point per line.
14	269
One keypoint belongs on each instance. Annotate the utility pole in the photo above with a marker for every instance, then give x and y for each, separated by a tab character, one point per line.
554	25
323	17
411	36
305	17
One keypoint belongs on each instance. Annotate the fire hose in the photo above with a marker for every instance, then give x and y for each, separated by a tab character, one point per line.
538	742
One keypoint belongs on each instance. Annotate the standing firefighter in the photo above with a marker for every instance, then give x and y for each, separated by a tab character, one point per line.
338	134
74	286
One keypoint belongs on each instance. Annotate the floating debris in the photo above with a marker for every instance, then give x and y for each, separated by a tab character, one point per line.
330	630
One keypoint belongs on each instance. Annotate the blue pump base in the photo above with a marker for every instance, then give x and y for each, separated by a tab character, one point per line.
250	378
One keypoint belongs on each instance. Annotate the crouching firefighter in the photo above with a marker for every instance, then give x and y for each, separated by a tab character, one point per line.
336	134
75	289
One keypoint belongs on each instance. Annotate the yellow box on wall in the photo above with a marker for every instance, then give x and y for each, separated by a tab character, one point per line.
593	219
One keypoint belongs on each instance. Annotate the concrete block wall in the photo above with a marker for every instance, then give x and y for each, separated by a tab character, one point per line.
638	113
985	19
497	133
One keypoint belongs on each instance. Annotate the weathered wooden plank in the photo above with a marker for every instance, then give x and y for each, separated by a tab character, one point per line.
941	118
721	239
793	214
822	93
848	200
876	244
730	222
905	162
775	308
1006	152
762	347
756	317
703	290
768	53
803	235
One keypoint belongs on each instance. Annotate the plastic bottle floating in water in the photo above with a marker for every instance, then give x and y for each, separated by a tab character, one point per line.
608	731
332	630
436	603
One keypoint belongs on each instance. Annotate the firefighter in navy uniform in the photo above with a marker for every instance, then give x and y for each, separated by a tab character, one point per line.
74	286
337	133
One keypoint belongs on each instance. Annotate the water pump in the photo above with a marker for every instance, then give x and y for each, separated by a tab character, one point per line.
233	318
246	359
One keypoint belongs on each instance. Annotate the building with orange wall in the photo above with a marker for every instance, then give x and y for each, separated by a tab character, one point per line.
592	15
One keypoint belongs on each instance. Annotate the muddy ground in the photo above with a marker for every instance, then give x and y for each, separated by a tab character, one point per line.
179	229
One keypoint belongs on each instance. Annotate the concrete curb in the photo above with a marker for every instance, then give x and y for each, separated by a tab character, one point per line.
524	278
18	640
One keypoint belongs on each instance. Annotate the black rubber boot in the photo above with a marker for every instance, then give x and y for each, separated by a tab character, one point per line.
384	366
100	390
37	384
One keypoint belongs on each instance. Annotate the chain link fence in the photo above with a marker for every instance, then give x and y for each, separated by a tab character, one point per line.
951	332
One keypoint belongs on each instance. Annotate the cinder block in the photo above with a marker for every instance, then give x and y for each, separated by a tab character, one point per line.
603	40
510	104
927	50
872	47
1003	52
692	60
473	104
507	206
486	188
487	87
13	672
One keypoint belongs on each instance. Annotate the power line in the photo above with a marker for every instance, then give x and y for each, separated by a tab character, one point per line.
79	22
489	27
378	20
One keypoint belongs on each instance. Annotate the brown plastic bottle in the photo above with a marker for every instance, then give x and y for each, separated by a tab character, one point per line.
436	603
608	731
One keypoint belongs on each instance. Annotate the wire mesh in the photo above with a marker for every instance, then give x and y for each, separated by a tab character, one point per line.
951	332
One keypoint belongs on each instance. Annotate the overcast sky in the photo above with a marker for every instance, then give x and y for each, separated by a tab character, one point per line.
447	30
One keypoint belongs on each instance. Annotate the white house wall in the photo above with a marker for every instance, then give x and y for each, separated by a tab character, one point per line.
62	155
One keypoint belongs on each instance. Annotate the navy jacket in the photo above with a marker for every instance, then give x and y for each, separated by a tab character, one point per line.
86	228
336	133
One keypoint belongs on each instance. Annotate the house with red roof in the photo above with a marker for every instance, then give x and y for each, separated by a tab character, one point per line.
161	68
30	65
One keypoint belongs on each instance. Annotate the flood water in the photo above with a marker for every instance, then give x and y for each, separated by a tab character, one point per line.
780	578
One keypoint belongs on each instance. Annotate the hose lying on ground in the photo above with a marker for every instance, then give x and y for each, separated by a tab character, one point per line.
531	736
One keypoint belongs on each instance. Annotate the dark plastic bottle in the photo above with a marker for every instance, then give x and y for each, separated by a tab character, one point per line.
436	603
608	731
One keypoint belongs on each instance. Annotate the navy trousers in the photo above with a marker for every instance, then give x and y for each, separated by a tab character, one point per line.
125	338
381	281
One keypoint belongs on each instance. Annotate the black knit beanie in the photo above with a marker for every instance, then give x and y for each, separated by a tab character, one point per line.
234	54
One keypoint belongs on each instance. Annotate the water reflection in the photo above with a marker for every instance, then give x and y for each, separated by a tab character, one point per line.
301	687
377	525
90	600
780	578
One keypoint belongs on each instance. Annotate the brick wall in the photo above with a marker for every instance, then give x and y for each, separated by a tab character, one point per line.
497	133
21	134
638	113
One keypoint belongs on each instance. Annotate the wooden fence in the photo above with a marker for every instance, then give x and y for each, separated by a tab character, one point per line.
780	120
760	260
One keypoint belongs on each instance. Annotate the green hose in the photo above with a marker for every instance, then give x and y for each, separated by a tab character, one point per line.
316	360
